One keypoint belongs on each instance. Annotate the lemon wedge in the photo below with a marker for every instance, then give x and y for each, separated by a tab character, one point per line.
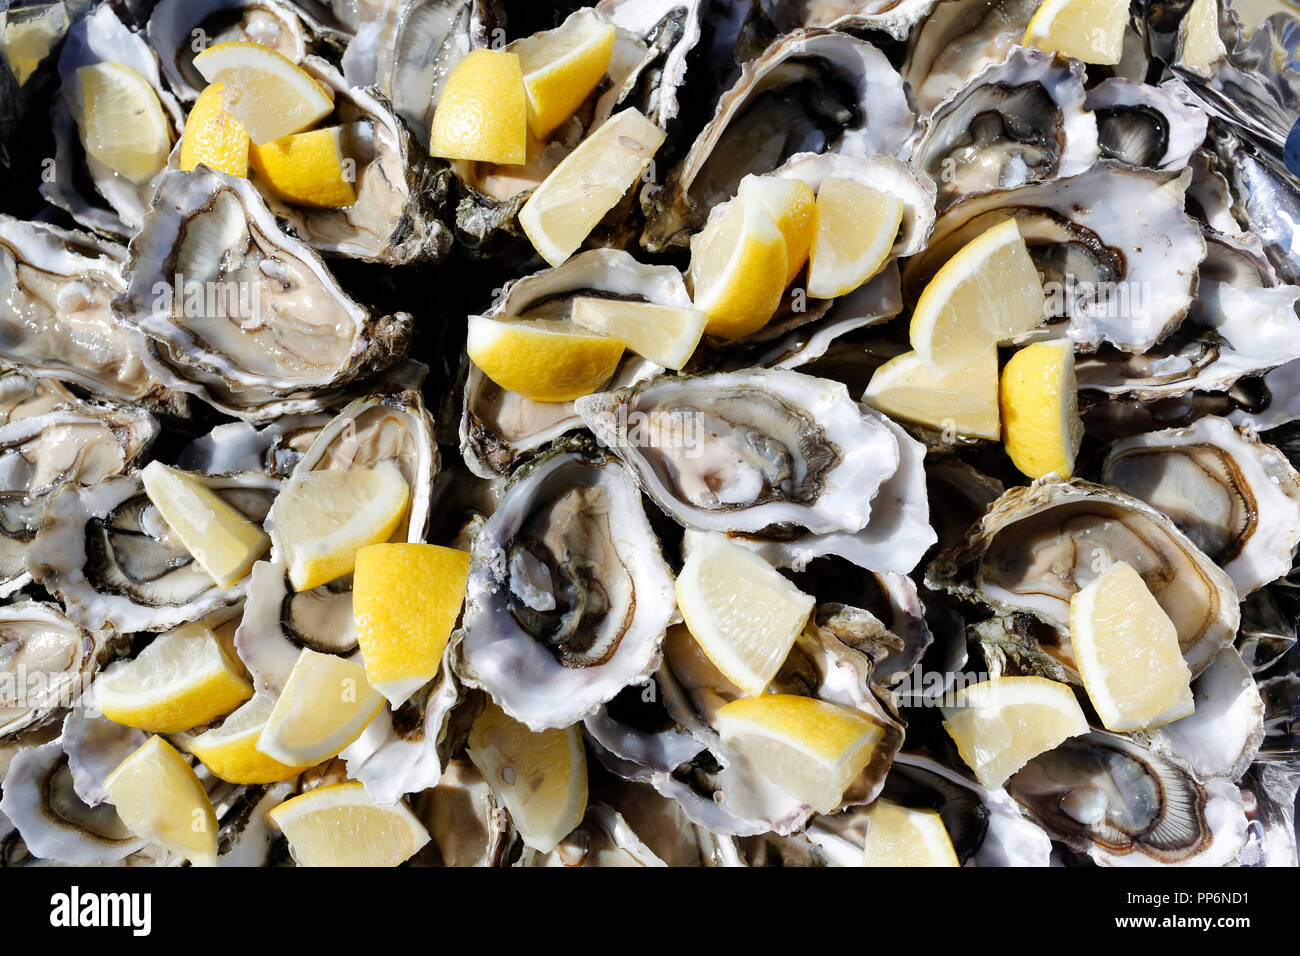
856	229
320	519
1127	652
964	402
563	66
738	266
307	169
268	93
900	836
1041	428
1088	30
161	799
222	540
793	207
230	751
1199	43
665	334
213	137
989	292
540	776
405	602
546	360
325	705
123	126
999	725
809	748
744	614
182	679
588	183
482	111
339	825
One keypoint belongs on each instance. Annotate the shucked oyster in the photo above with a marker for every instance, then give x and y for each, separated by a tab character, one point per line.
766	452
56	287
47	661
239	312
1037	546
958	40
568	595
819	89
1145	125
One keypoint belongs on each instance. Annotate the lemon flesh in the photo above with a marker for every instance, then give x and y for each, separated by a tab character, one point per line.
320	519
744	614
562	67
221	539
540	776
1127	652
325	705
856	229
1088	30
793	207
588	183
339	825
999	725
405	602
738	267
230	751
269	94
546	360
809	748
989	292
213	137
665	334
161	799
1199	43
123	126
964	402
482	111
307	169
900	836
182	679
1041	428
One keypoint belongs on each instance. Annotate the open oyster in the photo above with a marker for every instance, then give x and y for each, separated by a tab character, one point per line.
107	554
959	39
1145	125
568	595
238	311
823	90
56	286
1235	497
1021	120
48	660
497	427
1037	546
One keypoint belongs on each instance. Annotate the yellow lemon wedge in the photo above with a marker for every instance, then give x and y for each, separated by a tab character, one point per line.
160	798
325	705
563	66
1088	30
1039	397
340	825
230	750
482	111
269	94
546	360
308	169
665	334
856	229
213	137
964	402
124	125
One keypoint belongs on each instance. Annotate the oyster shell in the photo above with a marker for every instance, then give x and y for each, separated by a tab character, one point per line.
48	661
1235	497
568	596
895	17
498	428
275	448
766	452
1037	546
1117	253
959	39
1021	120
1145	125
239	312
107	554
852	103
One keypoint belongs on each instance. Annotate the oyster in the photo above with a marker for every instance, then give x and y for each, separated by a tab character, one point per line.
1104	795
1037	546
1145	125
118	208
467	826
568	595
275	448
48	661
1117	253
76	442
766	452
824	90
895	17
56	286
1235	497
498	428
1021	120
107	554
239	312
670	29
